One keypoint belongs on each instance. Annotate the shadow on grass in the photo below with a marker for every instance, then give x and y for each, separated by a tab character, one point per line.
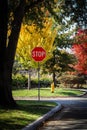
68	94
16	119
10	124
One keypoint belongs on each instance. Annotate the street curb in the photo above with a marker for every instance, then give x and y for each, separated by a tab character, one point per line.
41	120
85	92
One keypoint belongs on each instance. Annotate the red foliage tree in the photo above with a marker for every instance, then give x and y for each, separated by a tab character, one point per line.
80	51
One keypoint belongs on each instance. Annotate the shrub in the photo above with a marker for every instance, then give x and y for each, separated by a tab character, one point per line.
44	82
72	81
21	82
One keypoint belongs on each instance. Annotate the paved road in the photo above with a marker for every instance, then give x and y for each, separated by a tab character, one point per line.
72	117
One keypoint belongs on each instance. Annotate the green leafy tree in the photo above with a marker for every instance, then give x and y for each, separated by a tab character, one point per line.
58	63
77	11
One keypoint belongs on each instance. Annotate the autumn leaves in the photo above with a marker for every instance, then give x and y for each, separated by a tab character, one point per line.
31	36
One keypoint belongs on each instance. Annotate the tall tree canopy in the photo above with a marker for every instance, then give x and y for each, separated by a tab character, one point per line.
77	11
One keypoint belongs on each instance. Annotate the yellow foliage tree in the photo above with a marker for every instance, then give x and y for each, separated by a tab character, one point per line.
32	36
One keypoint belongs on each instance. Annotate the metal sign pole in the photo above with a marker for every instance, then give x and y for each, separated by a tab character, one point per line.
38	81
38	54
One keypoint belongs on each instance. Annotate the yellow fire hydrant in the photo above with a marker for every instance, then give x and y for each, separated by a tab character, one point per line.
52	87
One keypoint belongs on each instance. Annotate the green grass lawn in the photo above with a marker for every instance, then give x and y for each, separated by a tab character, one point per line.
46	92
26	113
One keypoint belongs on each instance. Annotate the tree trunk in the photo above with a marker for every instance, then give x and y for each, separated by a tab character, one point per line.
7	53
6	98
4	86
29	79
54	79
54	75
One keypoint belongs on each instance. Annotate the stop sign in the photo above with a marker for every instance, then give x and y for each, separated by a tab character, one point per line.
38	54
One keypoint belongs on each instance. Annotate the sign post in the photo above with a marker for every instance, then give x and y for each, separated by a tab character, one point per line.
38	54
38	81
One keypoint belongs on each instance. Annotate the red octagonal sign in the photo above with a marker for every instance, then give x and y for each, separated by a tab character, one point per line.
38	54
